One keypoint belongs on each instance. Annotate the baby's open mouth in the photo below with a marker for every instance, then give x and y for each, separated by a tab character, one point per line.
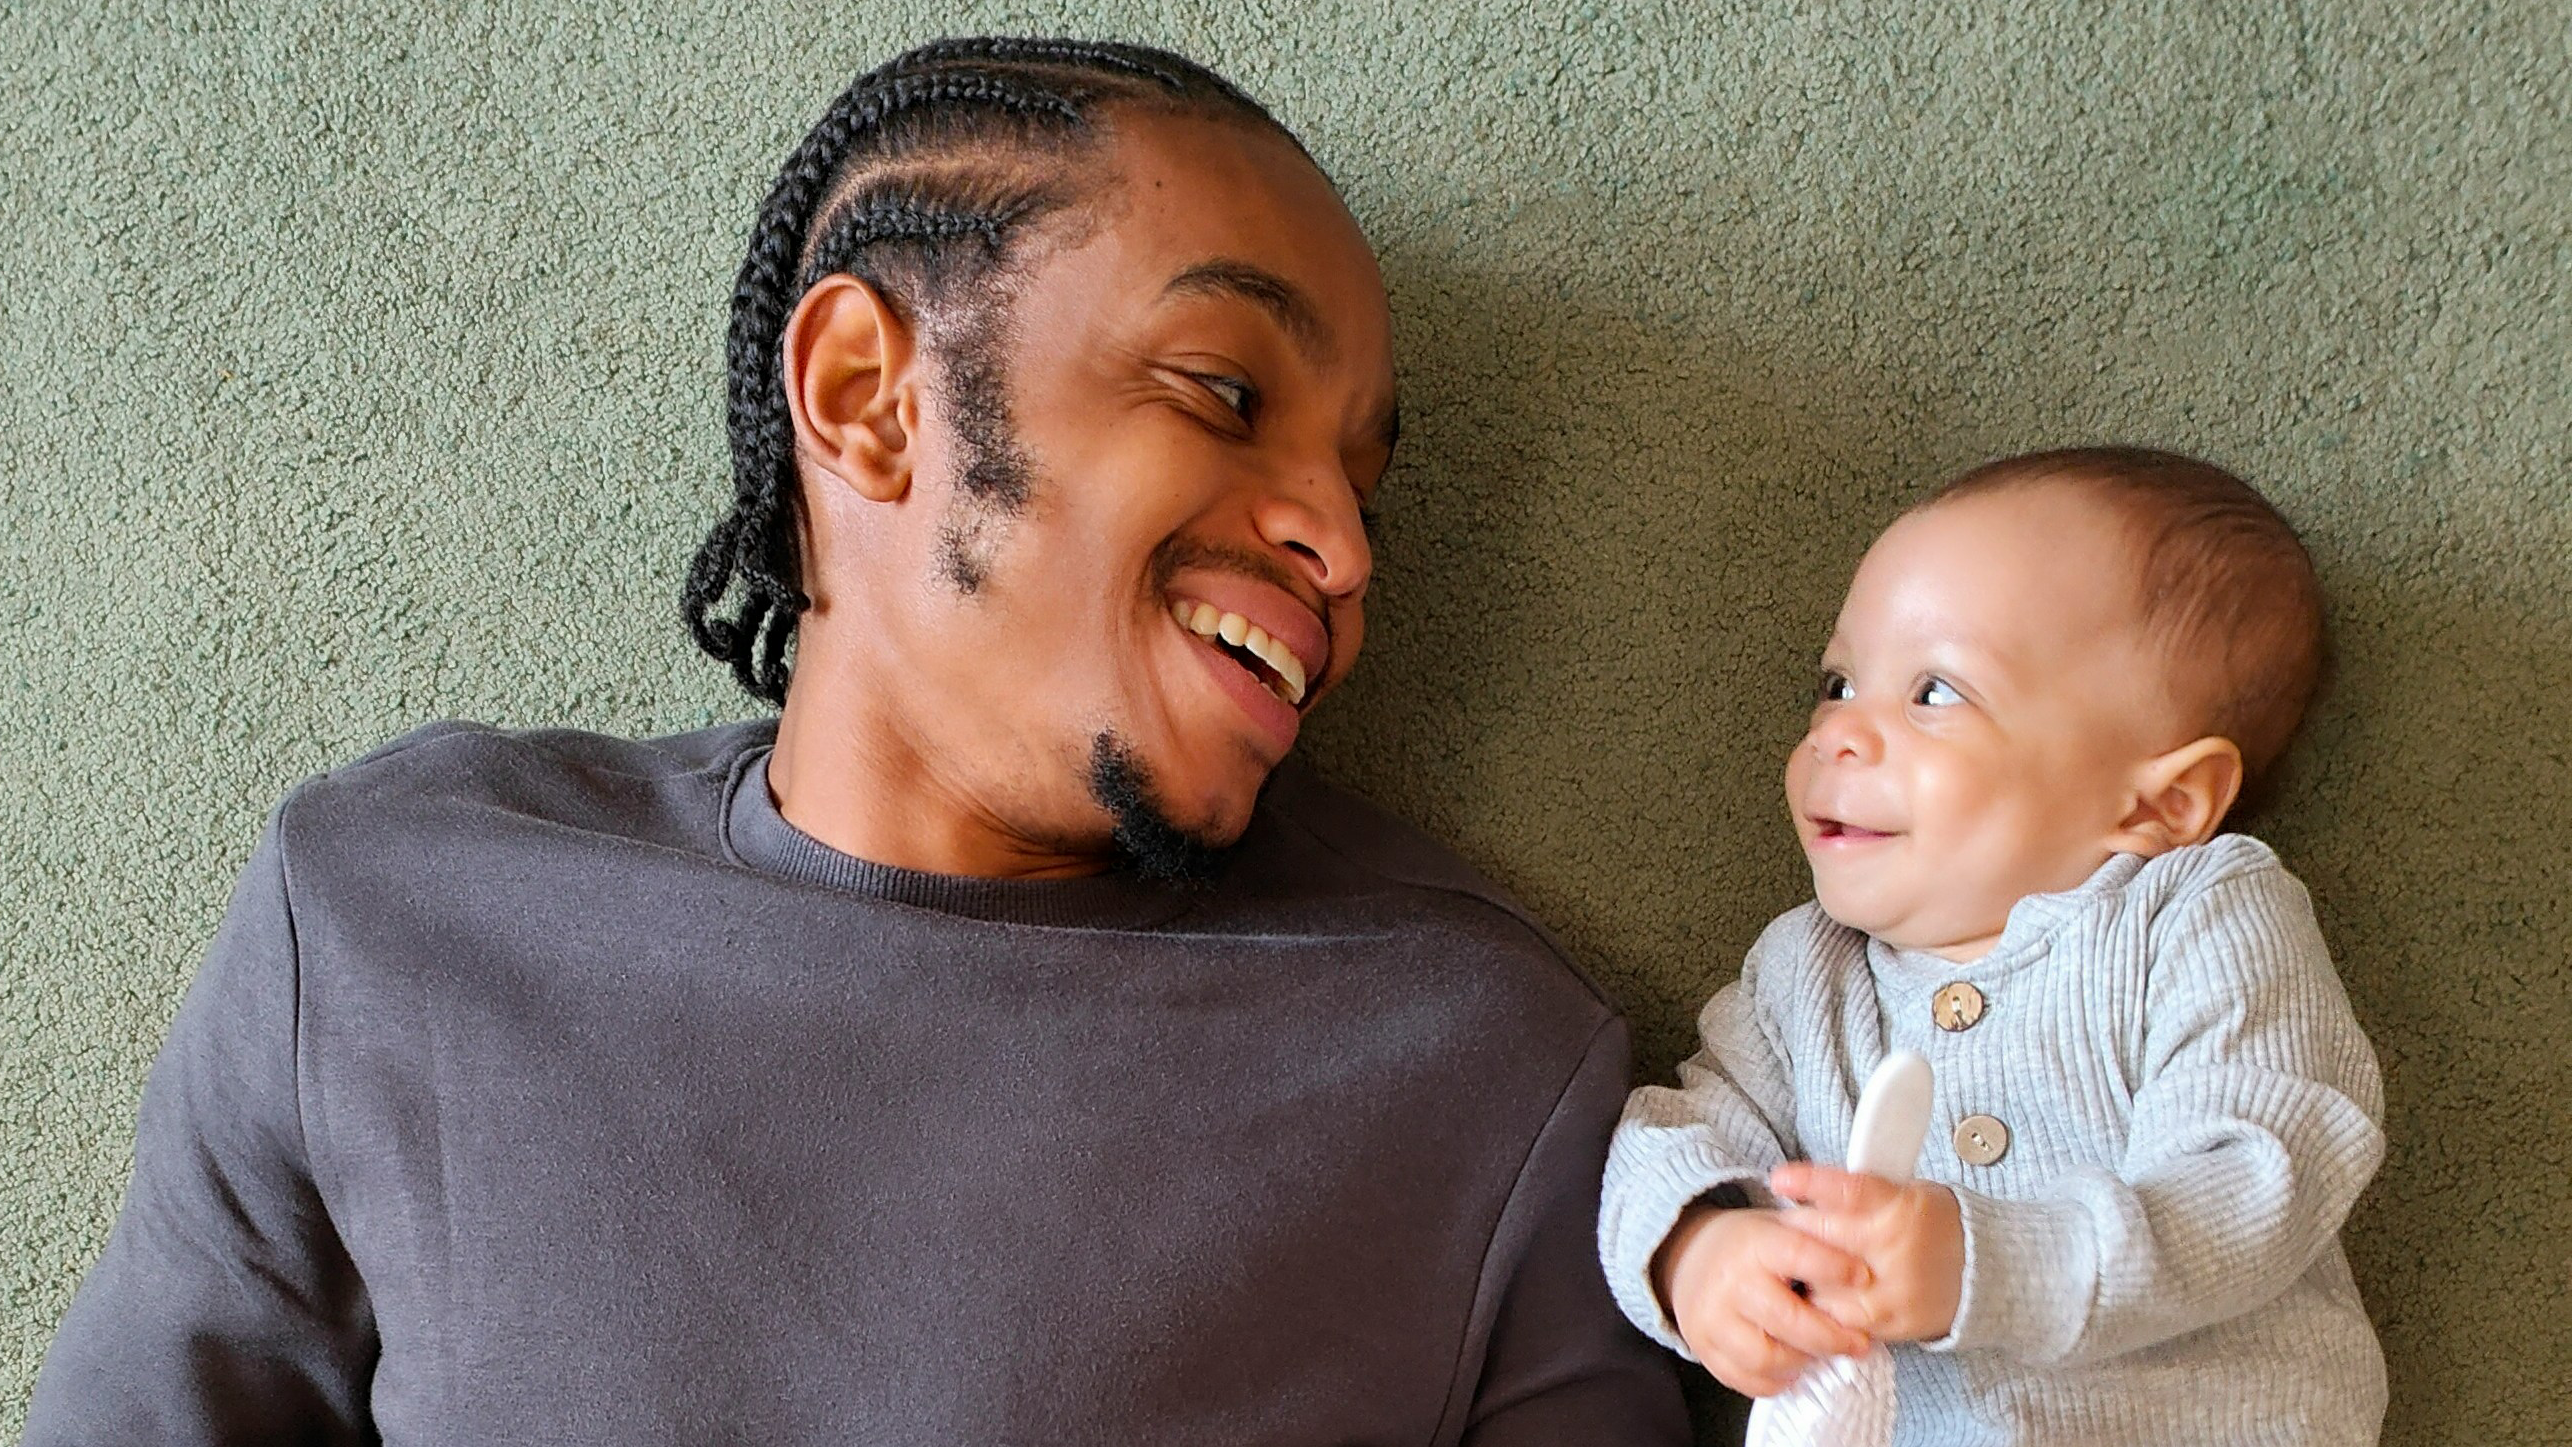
1842	829
1246	643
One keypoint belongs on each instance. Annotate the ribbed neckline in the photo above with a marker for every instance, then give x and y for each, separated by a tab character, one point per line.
2033	923
757	835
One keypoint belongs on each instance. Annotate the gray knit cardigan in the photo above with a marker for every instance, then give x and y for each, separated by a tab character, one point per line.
2186	1109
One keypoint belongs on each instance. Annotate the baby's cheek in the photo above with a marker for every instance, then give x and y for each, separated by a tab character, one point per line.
1994	833
1799	770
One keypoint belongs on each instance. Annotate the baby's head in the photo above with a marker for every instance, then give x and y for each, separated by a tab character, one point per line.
2058	658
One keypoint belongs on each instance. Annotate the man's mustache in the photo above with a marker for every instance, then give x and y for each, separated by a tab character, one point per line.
1180	554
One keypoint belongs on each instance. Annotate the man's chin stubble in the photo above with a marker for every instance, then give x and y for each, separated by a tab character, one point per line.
1152	845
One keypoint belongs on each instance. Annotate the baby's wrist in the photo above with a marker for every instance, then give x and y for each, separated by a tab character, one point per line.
1684	1234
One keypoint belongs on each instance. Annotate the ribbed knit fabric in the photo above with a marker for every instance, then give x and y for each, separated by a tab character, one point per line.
2191	1110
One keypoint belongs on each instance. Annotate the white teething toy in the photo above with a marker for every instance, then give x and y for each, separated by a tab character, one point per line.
1848	1401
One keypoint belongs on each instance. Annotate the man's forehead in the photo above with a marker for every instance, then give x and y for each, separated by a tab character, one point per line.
1285	302
1193	191
1192	211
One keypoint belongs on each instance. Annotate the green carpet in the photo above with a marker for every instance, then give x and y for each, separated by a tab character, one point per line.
360	363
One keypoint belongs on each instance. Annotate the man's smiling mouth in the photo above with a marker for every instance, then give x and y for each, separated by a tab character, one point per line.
1247	644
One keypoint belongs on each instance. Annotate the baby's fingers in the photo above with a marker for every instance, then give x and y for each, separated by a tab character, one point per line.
1794	1254
1798	1324
1749	1360
1855	1310
1830	1188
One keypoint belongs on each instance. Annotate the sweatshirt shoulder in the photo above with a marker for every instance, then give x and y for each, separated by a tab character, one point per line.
1359	846
453	770
2228	866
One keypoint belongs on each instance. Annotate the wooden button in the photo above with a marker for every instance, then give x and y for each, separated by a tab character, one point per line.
1981	1140
1956	1006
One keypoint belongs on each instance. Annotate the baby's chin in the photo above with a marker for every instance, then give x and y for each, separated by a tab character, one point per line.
1905	929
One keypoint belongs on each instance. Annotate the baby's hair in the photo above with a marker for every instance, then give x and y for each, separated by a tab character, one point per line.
922	180
2228	591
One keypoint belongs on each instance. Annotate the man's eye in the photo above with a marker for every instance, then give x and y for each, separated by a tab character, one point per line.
1937	693
1233	392
1834	687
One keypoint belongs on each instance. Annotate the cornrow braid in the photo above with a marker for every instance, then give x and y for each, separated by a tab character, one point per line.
917	181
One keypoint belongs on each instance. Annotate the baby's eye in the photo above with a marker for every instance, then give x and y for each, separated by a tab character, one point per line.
1834	687
1937	693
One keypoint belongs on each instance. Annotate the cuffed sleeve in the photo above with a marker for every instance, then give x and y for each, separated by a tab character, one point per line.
225	1309
2254	1129
1561	1369
1729	1120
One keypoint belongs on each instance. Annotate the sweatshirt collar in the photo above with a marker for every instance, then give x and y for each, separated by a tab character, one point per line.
757	835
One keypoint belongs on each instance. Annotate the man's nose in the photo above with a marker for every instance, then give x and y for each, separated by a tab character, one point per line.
1846	734
1315	522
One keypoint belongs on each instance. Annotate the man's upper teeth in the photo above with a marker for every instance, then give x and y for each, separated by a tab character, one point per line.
1207	621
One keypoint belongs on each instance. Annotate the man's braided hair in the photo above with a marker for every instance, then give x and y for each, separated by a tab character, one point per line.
919	180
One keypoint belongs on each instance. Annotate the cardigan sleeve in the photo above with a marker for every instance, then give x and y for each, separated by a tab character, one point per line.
1729	1120
2255	1124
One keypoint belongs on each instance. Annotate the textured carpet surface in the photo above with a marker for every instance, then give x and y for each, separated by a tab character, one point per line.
359	364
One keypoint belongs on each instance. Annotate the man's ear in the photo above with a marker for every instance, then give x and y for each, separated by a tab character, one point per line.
2181	797
852	385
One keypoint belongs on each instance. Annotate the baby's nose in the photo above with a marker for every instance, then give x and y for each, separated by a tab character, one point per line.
1846	735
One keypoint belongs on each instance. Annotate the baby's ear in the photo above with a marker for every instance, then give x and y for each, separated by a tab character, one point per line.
2181	797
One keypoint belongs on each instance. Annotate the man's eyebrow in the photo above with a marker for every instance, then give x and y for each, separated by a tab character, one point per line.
1264	289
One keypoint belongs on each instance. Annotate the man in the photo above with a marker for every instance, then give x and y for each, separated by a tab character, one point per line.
1008	1044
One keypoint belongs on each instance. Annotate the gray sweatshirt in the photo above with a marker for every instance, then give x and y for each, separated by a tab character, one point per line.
551	1088
2155	1109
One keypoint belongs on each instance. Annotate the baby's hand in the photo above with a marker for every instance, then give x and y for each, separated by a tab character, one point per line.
1910	1236
1727	1277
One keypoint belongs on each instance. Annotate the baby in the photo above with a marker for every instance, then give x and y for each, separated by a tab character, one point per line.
2049	687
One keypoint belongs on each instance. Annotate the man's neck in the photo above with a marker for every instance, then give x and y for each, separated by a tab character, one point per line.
852	780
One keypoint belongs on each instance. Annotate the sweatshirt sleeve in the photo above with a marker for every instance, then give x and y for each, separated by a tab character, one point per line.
225	1309
1730	1119
1560	1368
2254	1129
